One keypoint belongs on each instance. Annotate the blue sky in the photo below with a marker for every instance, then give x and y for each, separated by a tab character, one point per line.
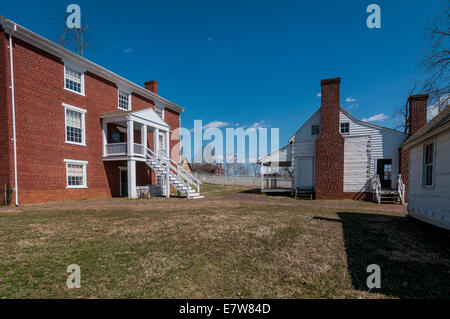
244	62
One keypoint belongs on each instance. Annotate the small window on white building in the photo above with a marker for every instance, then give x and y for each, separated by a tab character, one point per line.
76	174
315	129
345	128
74	79
160	111
124	100
75	125
428	165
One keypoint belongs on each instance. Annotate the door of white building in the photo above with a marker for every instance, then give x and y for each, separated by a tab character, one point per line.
305	173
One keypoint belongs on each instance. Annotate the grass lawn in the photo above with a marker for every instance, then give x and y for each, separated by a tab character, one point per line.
234	243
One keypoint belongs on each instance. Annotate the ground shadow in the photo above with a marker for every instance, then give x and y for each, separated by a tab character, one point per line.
414	257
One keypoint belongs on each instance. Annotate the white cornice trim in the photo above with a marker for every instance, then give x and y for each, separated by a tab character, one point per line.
68	56
426	136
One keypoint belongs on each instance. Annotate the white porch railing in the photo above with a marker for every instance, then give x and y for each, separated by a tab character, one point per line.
115	149
138	149
276	182
375	185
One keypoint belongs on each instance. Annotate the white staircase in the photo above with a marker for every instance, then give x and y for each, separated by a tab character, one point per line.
390	196
182	180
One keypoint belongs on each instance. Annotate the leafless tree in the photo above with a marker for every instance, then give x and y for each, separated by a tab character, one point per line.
401	113
436	63
434	67
77	38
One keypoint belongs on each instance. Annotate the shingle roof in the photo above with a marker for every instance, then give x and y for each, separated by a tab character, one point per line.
440	119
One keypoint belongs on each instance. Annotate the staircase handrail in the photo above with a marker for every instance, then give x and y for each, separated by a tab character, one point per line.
184	173
401	188
376	188
178	174
182	169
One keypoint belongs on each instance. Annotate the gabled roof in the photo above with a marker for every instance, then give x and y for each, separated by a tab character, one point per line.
147	114
370	124
284	155
438	123
353	119
295	134
48	46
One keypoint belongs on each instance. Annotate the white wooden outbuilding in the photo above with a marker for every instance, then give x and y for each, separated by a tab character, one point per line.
429	171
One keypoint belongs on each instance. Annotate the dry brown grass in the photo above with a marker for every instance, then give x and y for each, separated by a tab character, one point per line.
233	243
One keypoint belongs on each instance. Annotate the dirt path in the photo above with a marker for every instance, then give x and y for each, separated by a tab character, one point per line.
170	204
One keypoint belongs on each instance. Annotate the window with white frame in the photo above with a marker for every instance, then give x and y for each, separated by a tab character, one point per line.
428	162
74	79
76	174
124	100
160	111
345	128
75	125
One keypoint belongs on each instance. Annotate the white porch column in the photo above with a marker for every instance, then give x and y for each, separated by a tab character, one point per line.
131	174
130	138
155	140
167	137
105	137
144	137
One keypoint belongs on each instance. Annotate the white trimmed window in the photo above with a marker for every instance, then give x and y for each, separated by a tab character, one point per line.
76	174
75	125
74	78
160	111
428	163
124	100
345	128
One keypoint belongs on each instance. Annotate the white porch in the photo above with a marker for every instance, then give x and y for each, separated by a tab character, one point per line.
126	138
276	171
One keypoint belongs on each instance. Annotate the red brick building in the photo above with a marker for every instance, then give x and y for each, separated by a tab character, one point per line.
70	129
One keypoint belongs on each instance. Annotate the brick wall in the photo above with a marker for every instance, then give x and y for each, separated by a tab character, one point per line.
40	123
4	123
417	119
417	112
330	144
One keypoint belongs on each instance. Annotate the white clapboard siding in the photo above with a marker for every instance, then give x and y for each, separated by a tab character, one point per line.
384	143
432	205
368	143
356	163
303	143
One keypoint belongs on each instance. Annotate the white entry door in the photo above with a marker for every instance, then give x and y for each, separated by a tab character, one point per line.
305	173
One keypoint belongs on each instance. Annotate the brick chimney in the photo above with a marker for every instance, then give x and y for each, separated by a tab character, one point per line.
417	118
417	112
330	144
152	86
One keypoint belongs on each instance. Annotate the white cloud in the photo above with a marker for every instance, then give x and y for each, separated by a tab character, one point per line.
353	106
259	124
376	118
215	124
319	95
350	99
129	50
